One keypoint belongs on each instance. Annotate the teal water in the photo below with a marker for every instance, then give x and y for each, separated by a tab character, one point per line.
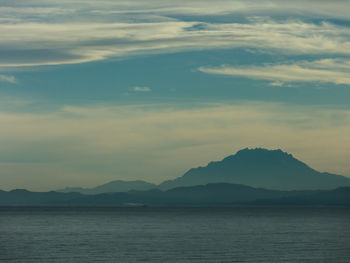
175	234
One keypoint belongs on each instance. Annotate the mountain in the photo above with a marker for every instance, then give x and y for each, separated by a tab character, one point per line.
22	197
216	194
271	169
113	186
339	197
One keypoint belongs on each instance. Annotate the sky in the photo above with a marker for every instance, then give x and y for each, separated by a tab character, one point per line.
94	91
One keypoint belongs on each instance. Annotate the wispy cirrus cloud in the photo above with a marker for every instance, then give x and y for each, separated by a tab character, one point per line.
336	8
9	79
140	89
39	32
50	44
335	71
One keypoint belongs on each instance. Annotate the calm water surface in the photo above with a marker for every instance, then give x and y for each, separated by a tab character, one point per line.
175	235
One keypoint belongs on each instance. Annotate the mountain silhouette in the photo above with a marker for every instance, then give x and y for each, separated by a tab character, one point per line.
113	186
215	194
271	169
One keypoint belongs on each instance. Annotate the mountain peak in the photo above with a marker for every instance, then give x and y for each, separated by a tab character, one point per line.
260	167
262	156
260	152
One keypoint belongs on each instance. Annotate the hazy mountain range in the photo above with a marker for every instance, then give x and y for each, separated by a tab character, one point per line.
114	186
270	169
250	177
215	194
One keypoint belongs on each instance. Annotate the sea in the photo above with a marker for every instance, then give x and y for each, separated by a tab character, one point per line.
178	234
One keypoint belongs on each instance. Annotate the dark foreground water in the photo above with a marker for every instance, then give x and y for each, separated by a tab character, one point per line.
175	235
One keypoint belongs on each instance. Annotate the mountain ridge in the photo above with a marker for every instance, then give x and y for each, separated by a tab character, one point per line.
112	186
215	194
259	167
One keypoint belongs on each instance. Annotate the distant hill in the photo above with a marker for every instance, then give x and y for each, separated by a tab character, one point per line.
216	194
113	186
22	197
271	169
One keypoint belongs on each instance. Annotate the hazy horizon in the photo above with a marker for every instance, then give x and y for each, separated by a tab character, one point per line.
95	91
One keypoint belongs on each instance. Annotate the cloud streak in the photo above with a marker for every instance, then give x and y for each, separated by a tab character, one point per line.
35	34
335	71
140	89
9	79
